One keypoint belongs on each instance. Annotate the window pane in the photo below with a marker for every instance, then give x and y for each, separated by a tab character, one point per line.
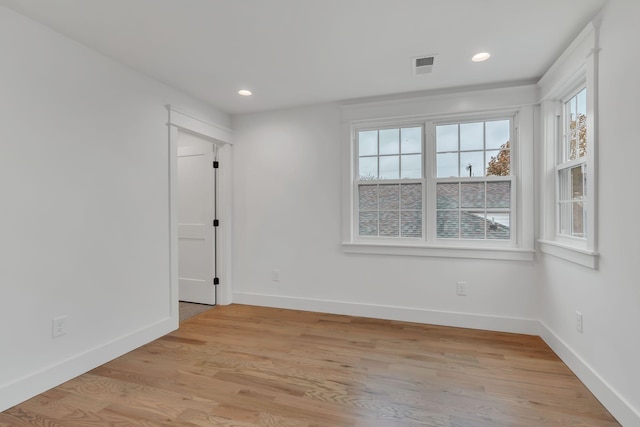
411	140
498	225
411	166
471	136
572	182
578	219
368	197
573	142
389	197
572	202
582	122
581	100
497	134
576	126
411	196
572	221
447	224
390	141
447	138
565	218
368	168
472	225
411	224
447	196
447	165
564	184
472	164
368	224
577	181
472	195
498	194
389	167
389	223
499	162
368	143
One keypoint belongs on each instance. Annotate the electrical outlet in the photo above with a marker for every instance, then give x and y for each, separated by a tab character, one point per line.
59	326
578	321
461	289
275	275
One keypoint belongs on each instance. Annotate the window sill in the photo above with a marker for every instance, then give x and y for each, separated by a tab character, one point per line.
508	254
579	256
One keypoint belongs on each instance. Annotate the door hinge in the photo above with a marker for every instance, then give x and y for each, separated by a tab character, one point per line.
216	223
216	281
216	164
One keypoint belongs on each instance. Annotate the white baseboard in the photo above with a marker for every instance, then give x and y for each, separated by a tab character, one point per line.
30	385
610	399
407	314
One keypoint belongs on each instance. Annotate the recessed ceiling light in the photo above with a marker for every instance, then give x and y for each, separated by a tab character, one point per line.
244	92
482	56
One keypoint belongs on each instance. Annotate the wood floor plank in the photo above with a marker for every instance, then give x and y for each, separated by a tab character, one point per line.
244	366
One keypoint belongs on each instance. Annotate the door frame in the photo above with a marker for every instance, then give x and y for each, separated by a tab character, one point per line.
221	136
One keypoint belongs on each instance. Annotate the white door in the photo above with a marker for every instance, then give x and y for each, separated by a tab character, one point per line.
196	206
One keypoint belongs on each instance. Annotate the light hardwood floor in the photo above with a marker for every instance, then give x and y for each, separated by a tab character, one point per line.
247	366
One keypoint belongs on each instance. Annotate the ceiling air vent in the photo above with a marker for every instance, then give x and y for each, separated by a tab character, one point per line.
422	65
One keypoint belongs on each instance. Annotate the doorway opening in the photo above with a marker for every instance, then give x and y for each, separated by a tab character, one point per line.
199	154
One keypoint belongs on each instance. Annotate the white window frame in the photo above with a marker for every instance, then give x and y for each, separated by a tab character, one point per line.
357	182
512	242
518	247
575	70
562	164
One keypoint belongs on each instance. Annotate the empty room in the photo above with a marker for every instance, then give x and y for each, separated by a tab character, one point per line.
383	213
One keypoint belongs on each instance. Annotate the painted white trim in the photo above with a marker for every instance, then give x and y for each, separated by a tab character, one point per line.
619	407
32	384
194	124
568	63
509	254
577	67
174	285
220	136
441	104
579	256
516	103
225	215
405	314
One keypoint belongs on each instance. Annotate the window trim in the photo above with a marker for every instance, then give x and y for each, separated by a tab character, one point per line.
356	237
575	69
519	247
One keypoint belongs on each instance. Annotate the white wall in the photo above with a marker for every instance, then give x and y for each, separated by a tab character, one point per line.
287	175
84	207
606	354
287	216
84	223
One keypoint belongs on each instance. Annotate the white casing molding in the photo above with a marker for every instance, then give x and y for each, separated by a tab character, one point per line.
193	124
221	136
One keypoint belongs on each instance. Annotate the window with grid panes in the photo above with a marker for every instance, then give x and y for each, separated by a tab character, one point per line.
474	181
572	167
389	183
466	196
569	109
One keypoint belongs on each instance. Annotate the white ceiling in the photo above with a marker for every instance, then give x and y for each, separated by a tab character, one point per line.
296	52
